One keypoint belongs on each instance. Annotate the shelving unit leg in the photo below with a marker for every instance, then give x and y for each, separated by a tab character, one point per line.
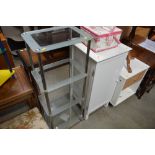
85	108
30	56
45	88
71	72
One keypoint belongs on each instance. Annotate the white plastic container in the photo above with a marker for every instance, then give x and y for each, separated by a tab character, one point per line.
104	37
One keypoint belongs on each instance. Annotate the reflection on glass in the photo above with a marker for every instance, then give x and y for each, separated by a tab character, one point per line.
55	36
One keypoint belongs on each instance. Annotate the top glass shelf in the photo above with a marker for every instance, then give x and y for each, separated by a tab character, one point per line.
53	38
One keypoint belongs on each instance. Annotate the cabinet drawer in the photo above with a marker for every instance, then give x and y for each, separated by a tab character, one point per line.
134	79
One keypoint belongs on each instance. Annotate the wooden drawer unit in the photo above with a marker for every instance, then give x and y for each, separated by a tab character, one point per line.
128	83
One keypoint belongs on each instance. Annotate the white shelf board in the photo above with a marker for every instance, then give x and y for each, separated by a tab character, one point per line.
137	66
126	93
101	56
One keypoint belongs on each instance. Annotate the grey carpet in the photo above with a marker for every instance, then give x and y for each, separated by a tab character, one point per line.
130	114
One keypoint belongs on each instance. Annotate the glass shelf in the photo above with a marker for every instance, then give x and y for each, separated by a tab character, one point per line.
59	105
53	38
63	121
65	107
63	80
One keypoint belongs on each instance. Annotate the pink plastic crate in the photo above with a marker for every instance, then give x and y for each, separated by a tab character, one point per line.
104	37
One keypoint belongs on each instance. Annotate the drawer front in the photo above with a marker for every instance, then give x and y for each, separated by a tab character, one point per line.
134	79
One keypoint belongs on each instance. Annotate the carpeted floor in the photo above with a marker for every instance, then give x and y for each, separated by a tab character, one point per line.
131	114
31	119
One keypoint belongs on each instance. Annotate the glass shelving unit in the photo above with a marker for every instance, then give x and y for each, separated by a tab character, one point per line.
62	83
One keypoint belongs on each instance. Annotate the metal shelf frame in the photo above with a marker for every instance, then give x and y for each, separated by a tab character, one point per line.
54	108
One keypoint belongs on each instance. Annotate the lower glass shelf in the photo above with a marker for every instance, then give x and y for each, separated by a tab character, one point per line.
59	105
66	119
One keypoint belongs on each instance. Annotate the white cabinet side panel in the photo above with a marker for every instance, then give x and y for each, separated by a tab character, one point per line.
105	79
118	89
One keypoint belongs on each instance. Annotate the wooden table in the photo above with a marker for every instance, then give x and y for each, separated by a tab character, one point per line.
144	55
147	57
17	90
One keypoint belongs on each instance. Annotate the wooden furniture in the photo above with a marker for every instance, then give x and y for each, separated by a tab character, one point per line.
140	33
3	64
103	73
17	90
137	36
147	57
147	83
128	83
152	35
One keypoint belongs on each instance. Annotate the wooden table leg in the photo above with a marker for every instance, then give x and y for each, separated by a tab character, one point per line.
32	101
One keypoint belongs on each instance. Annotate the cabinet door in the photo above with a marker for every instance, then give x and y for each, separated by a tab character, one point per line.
105	79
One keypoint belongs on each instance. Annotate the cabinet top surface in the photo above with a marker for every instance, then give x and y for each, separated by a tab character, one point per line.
107	54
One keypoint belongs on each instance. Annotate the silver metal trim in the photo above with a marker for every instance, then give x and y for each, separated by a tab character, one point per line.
27	37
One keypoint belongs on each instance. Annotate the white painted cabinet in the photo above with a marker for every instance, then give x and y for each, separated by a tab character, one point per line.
128	83
103	73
